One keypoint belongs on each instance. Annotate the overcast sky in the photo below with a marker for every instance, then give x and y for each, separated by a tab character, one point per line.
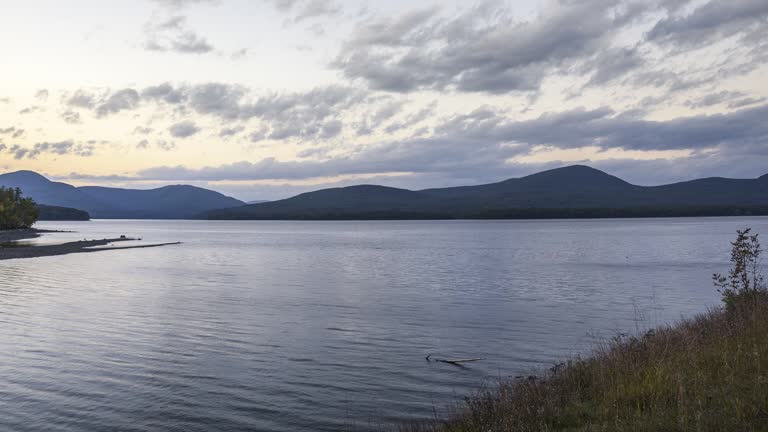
262	99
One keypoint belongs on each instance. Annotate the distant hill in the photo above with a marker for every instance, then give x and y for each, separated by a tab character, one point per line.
169	202
569	192
53	213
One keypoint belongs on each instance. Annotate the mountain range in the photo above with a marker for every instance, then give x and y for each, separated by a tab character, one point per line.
574	191
168	202
569	192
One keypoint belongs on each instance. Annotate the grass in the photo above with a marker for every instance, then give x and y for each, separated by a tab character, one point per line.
708	373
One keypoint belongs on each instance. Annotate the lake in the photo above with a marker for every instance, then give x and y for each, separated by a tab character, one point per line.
324	326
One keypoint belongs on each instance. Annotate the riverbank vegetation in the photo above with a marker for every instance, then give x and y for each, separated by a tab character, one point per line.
16	211
708	373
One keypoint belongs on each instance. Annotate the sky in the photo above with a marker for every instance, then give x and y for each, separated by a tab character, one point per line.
264	99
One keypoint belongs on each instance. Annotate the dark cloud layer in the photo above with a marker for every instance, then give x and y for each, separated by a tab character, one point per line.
480	50
485	50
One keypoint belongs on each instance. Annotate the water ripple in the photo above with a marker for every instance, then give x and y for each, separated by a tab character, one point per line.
275	326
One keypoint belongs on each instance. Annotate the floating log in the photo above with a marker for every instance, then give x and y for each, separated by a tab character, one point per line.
455	362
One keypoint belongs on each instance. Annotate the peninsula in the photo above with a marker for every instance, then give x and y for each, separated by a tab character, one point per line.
10	250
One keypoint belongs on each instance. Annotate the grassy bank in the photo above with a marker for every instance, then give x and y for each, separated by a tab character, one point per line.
709	373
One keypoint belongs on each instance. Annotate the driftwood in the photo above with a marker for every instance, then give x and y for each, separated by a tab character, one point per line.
455	362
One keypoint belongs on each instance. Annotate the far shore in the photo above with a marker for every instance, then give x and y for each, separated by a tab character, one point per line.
81	246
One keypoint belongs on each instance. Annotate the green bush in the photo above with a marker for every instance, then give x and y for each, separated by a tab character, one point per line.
16	212
745	281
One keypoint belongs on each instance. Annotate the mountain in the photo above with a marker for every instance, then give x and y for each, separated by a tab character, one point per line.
44	191
53	213
574	191
169	202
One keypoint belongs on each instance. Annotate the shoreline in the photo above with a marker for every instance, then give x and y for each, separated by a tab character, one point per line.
701	373
80	246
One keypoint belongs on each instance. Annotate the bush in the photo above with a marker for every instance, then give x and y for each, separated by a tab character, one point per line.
16	212
745	281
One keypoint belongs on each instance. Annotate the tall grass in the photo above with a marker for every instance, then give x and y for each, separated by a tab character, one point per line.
708	373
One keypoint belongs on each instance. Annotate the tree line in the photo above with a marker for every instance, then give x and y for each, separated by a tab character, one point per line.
16	211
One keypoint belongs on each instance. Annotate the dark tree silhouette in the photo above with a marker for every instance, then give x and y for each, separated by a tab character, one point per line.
16	211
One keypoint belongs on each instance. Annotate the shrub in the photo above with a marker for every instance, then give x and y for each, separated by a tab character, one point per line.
745	281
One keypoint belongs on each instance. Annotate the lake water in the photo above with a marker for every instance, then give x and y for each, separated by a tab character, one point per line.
309	326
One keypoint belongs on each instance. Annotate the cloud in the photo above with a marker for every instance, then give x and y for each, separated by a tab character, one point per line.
61	148
41	95
82	99
611	64
221	100
715	99
331	129
173	35
31	109
258	135
484	143
413	119
746	101
316	8
180	4
103	103
239	54
307	9
71	117
164	92
166	145
142	130
310	114
604	129
387	111
144	145
481	50
284	5
485	49
125	99
230	131
184	129
711	21
14	132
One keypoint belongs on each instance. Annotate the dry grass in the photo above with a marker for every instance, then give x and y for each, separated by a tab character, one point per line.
709	373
